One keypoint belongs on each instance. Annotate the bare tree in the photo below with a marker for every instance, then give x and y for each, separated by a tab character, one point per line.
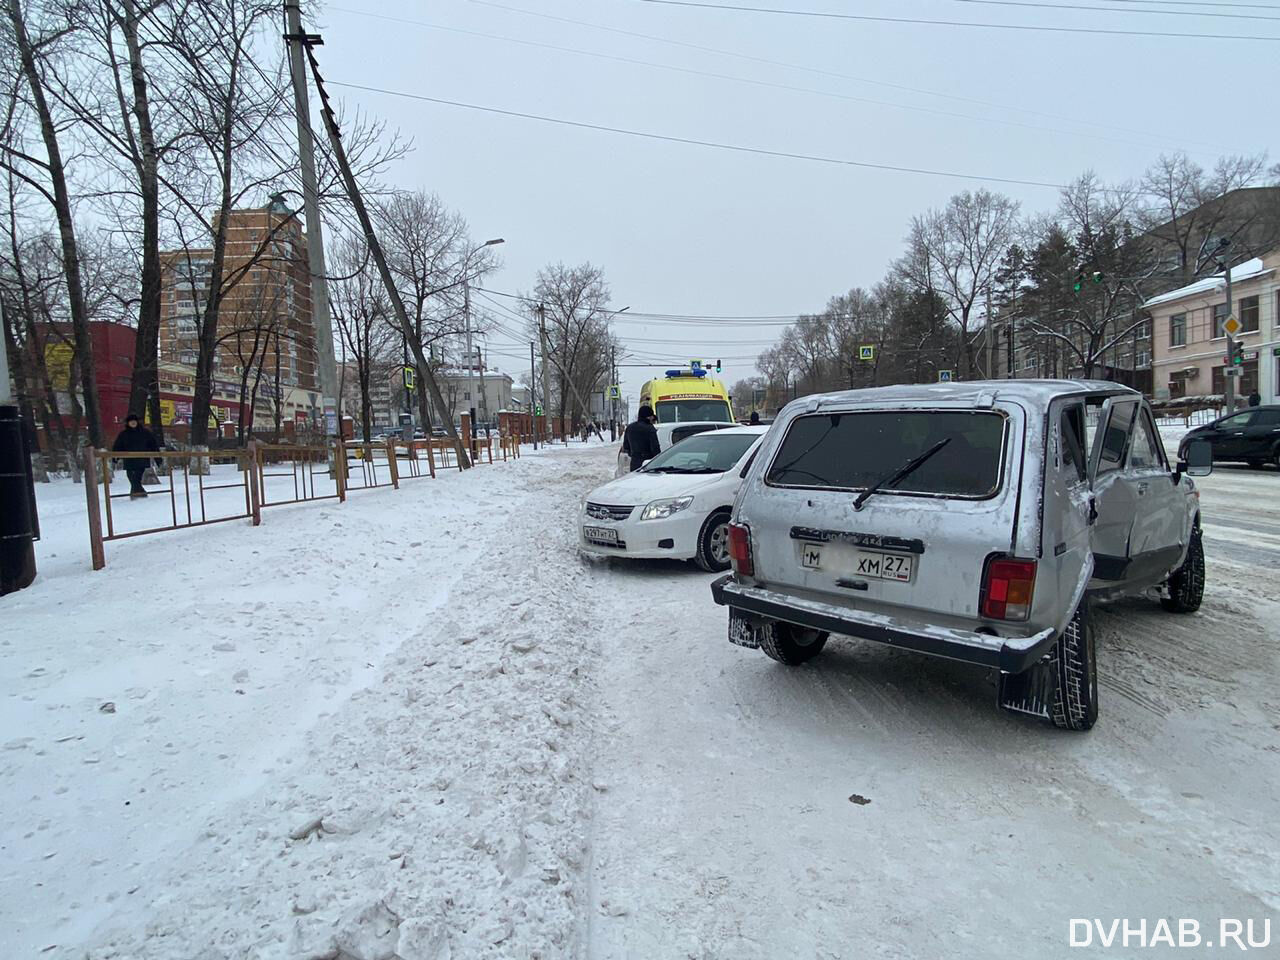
1086	311
1189	206
955	253
427	246
362	316
48	176
576	310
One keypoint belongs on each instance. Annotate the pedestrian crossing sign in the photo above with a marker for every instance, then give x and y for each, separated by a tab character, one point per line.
866	352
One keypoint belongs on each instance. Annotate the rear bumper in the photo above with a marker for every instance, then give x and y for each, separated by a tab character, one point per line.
1010	654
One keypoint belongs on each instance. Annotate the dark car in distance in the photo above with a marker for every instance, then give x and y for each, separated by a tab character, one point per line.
1249	436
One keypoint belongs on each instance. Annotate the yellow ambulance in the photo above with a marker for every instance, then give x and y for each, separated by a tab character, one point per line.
683	396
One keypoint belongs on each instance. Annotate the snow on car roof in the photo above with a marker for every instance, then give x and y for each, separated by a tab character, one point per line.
1039	391
1241	271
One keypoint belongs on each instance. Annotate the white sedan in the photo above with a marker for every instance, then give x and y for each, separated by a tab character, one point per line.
677	505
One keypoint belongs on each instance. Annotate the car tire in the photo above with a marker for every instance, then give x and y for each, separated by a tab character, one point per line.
1186	585
713	543
1073	661
790	644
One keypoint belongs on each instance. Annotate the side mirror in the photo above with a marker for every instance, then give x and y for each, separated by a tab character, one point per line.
1199	462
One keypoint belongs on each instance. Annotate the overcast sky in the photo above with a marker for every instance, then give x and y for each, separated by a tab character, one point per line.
685	229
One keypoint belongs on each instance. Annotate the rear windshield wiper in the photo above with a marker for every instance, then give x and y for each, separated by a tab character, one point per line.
900	474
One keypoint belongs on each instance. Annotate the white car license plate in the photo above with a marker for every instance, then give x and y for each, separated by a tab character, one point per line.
866	563
600	534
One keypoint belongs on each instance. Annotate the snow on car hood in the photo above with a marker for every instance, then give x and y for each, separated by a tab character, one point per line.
640	487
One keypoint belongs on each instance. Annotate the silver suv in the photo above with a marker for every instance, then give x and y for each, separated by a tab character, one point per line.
973	521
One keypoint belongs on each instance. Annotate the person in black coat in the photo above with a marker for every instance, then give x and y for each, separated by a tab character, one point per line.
135	438
640	439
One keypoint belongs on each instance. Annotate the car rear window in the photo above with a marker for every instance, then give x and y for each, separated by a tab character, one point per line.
682	433
852	451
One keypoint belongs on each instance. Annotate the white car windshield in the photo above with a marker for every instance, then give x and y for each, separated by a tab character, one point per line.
685	411
703	453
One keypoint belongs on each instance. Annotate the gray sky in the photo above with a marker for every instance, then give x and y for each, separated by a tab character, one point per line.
684	229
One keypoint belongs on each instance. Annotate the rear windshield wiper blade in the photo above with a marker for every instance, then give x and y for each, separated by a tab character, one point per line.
900	474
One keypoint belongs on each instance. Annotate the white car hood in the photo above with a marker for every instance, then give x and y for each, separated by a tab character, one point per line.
639	488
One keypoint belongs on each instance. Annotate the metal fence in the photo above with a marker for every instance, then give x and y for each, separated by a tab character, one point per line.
182	512
414	458
266	475
310	470
366	466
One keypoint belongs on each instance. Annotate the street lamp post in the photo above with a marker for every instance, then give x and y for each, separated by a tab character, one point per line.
466	315
613	381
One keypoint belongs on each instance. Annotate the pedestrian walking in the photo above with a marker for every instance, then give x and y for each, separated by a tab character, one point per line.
1255	398
135	438
641	439
755	418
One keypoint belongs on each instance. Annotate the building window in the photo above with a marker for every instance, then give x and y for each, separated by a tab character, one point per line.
1219	318
1178	330
1142	331
1142	360
1248	314
1246	383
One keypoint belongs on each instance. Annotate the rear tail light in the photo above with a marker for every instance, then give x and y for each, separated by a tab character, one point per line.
1007	589
740	550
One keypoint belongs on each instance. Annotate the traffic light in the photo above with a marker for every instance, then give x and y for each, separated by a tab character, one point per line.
717	366
1237	353
1095	276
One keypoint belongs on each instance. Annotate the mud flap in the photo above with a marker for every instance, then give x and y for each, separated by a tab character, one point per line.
746	629
1030	692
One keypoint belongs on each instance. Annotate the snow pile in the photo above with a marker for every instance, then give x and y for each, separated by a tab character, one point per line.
356	731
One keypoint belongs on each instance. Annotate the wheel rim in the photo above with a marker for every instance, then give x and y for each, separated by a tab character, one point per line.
720	542
805	638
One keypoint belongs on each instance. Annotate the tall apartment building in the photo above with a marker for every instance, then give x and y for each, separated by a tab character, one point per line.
265	318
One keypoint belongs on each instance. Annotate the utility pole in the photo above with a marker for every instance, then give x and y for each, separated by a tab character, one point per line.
466	319
1229	385
375	249
323	327
533	400
484	401
546	368
613	400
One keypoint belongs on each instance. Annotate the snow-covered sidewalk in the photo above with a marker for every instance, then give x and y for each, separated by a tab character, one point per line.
404	668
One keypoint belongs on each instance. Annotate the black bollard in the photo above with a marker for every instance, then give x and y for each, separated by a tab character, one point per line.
17	505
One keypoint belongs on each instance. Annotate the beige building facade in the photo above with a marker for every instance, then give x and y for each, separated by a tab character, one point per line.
1190	347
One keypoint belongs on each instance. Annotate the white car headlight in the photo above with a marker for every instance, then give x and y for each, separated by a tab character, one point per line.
661	509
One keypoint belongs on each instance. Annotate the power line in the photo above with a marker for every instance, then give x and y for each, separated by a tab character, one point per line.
823	14
1201	3
806	68
752	81
1077	6
690	141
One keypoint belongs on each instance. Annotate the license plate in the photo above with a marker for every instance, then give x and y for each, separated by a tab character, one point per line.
600	534
866	563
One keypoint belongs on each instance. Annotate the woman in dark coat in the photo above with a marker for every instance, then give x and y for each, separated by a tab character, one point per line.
135	438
